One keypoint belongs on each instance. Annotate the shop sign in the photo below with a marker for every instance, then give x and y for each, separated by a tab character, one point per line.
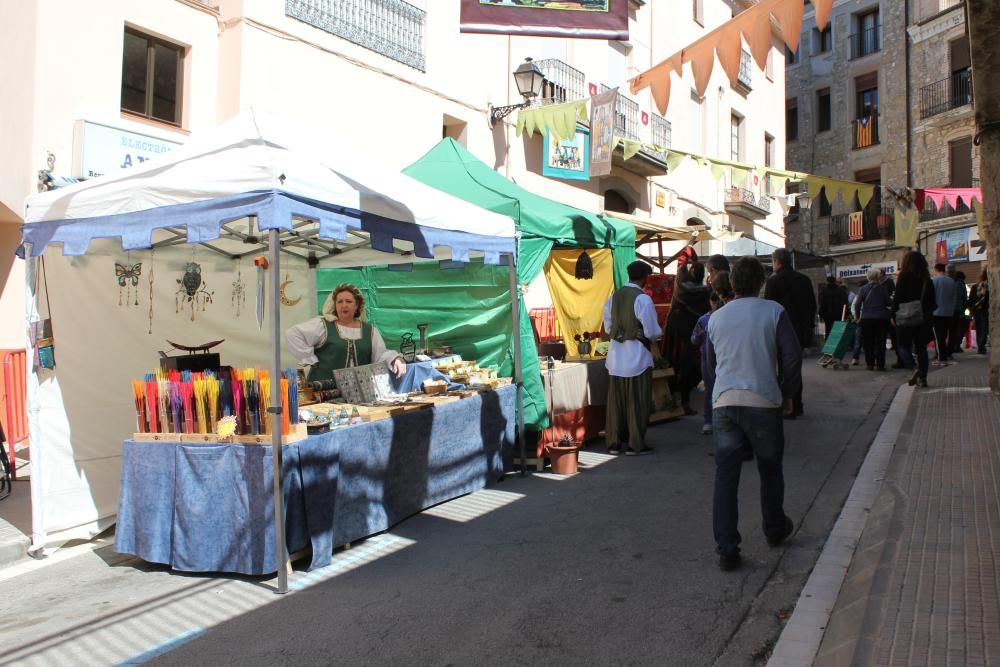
861	270
567	158
101	149
952	246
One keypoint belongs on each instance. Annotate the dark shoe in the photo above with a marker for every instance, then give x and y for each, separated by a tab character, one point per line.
855	362
914	379
921	382
898	365
880	368
614	450
688	411
641	452
729	562
871	368
776	540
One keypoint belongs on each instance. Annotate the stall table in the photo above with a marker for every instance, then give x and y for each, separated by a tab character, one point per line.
207	507
578	394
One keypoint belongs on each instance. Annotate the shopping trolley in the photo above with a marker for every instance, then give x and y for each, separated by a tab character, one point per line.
837	345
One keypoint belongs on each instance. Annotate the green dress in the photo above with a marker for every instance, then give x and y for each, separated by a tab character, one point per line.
336	353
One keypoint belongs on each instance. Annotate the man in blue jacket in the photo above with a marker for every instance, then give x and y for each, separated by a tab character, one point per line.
946	293
750	340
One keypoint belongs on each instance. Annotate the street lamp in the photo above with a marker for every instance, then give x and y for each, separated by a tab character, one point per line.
529	79
804	201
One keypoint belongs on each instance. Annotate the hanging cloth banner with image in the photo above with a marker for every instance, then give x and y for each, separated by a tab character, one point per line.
602	132
596	19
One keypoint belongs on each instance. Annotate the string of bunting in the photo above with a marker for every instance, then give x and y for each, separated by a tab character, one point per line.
753	25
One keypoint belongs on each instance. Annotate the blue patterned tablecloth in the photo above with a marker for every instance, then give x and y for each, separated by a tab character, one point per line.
208	507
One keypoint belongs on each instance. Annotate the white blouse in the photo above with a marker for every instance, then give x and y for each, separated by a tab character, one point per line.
303	339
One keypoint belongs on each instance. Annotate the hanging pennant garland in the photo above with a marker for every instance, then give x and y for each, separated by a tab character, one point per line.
128	278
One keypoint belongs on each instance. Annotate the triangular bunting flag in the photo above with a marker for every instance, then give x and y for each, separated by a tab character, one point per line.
906	227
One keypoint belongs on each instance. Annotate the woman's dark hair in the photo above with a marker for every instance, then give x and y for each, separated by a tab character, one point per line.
747	276
983	277
914	262
717	263
697	273
721	285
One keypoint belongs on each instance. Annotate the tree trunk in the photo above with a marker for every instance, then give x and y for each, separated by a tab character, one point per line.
983	19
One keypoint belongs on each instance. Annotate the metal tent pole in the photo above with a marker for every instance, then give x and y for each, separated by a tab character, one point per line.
275	411
515	307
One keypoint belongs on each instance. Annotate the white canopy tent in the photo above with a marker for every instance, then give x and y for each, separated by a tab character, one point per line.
225	191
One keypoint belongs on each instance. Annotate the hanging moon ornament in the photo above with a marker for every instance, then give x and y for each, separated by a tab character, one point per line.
285	300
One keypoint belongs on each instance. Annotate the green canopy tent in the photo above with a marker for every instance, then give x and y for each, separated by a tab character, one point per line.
542	226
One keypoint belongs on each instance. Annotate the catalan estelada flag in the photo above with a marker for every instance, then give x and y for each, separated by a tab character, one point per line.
864	131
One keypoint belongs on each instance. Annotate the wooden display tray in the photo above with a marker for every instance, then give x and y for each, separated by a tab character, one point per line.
369	412
298	433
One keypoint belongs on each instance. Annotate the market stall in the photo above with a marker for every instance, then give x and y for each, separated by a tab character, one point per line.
544	226
246	189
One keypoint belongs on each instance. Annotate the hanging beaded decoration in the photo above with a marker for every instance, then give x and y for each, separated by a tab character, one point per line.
239	292
128	279
151	253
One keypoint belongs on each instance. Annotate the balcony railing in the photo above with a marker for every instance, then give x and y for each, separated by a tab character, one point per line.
946	94
865	131
866	42
563	83
662	132
737	195
877	224
930	213
626	116
392	28
932	8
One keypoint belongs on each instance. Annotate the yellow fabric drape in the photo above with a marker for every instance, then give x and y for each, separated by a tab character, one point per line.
579	304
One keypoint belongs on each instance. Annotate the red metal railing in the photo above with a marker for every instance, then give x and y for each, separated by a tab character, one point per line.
14	400
545	323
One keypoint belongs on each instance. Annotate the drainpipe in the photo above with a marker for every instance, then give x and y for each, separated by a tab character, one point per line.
909	120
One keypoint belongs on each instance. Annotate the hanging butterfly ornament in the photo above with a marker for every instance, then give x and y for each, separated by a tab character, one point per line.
239	298
128	279
192	291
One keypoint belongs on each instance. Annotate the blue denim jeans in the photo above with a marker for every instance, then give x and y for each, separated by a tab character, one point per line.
763	430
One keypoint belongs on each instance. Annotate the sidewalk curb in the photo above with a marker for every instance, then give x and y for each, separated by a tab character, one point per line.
800	640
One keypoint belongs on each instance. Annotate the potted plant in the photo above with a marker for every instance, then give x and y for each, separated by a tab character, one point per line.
583	341
563	455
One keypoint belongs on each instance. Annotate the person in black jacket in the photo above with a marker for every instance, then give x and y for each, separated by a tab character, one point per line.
832	303
691	301
794	292
979	304
913	283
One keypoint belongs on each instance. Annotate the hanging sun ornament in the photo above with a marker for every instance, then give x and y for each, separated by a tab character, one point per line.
239	298
192	290
128	279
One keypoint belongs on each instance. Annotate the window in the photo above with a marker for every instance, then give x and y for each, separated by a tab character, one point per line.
822	40
824	112
698	11
736	137
768	150
866	38
151	77
960	162
769	65
866	104
743	76
791	120
791	57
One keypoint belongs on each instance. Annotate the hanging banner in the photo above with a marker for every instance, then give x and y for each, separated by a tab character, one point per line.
597	19
856	226
953	246
567	158
602	132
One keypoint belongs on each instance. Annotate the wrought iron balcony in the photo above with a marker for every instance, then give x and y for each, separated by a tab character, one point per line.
392	28
878	223
865	131
563	83
743	202
626	116
930	213
946	94
866	42
662	132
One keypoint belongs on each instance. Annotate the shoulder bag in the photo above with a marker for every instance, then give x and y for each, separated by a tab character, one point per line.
911	313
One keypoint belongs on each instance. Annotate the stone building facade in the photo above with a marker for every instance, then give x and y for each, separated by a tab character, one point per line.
882	96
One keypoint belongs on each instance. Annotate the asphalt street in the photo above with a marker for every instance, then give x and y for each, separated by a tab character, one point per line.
615	565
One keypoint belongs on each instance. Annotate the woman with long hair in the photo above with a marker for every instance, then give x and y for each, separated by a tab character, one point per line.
913	283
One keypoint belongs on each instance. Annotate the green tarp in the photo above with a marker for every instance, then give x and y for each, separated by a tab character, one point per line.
542	224
467	308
